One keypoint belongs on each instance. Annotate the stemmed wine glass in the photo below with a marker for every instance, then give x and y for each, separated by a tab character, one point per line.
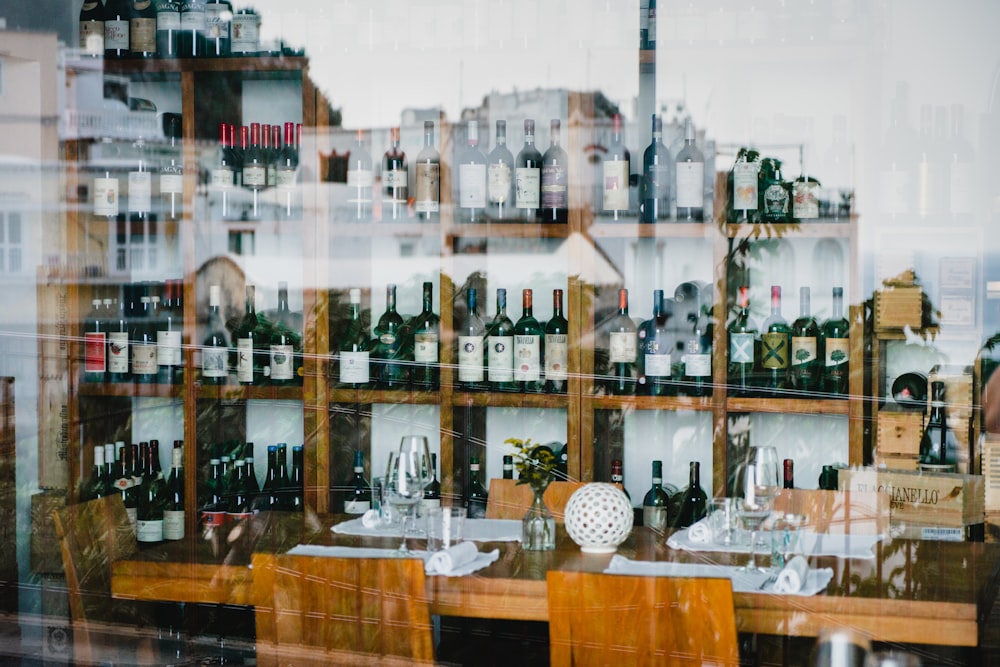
755	492
407	475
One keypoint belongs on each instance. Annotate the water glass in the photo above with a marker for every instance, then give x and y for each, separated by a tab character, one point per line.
722	520
444	527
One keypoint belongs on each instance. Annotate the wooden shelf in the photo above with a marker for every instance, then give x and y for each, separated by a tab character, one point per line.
512	230
384	396
512	400
808	406
130	390
249	64
232	392
704	403
812	230
666	229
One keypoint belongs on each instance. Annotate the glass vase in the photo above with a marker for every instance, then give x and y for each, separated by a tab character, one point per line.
538	528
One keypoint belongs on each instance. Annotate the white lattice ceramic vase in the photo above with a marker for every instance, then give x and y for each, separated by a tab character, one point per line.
598	517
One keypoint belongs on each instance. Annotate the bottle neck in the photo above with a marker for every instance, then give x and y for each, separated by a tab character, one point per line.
838	307
694	477
428	299
557	303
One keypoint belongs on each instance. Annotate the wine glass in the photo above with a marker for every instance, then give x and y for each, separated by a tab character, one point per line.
755	491
407	475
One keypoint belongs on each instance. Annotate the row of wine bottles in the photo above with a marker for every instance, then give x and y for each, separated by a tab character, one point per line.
232	491
167	29
356	496
259	160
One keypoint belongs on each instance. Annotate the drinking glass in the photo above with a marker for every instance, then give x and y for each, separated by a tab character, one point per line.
407	475
756	488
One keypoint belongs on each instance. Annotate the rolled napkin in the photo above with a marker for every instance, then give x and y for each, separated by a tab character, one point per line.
792	577
699	532
449	560
371	519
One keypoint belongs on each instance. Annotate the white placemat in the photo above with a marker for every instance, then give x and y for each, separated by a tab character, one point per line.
809	543
477	530
465	560
815	581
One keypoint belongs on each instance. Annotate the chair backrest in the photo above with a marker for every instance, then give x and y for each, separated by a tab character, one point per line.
510	500
608	619
848	512
344	611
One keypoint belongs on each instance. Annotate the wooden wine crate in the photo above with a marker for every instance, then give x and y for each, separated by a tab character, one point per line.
905	462
922	498
897	307
899	432
958	389
45	555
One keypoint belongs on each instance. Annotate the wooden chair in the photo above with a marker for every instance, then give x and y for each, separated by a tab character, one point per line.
313	610
618	620
92	535
510	500
847	512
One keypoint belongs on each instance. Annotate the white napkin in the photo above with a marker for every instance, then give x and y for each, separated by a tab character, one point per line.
460	559
792	577
699	532
477	530
371	519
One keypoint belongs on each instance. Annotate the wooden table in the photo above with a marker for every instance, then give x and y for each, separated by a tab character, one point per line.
912	592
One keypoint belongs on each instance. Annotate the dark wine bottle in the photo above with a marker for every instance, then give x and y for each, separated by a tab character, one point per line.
254	165
471	337
622	350
142	29
938	445
152	501
213	510
528	177
529	349
428	178
394	180
285	347
173	512
116	26
297	480
697	359
742	343
836	348
775	192
693	502
391	363
657	177
556	342
508	466
775	347
426	328
170	325
358	498
744	187
193	26
353	348
92	28
655	348
500	177
690	177
478	496
215	348
286	174
788	474
95	343
168	28
555	179
142	339
280	497
472	190
804	369
616	170
94	486
172	172
500	348
656	502
218	16
133	471
432	492
251	348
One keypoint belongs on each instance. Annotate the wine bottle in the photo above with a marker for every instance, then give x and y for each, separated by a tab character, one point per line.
245	32
268	489
788	474
622	350
94	486
616	172
250	483
647	25
428	177
353	349
224	172
775	192
836	348
697	359
193	25
287	173
95	343
742	343
142	340
391	363
285	347
656	502
657	176
267	148
92	28
744	186
172	172
804	369
394	175
775	346
555	179
215	348
529	348
508	466
528	177
116	25
218	15
140	185
281	498
471	178
500	348
805	196
938	445
690	177
213	511
254	167
478	496
122	480
655	348
499	176
556	342
173	512
251	349
426	329
168	28
297	481
119	355
360	179
238	506
169	360
110	466
359	494
133	471
471	336
152	502
693	502
432	492
142	29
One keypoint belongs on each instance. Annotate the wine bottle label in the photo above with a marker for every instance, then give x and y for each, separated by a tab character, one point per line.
838	351
690	184
244	360
428	187
106	196
500	358
222	177
658	181
354	367
173	524
425	347
245	30
654	517
193	17
213	519
168	19
774	350
657	365
556	356
803	350
116	35
357	506
615	185
697	365
149	530
254	176
805	200
213	362
133	517
498	176
528	182
123	483
776	201
470	358
741	348
171	184
893	191
168	348
961	187
92	37
623	347
217	21
360	181
394	178
528	358
95	352
281	362
143	359
617	478
745	186
555	192
140	191
142	35
286	177
472	185
118	352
